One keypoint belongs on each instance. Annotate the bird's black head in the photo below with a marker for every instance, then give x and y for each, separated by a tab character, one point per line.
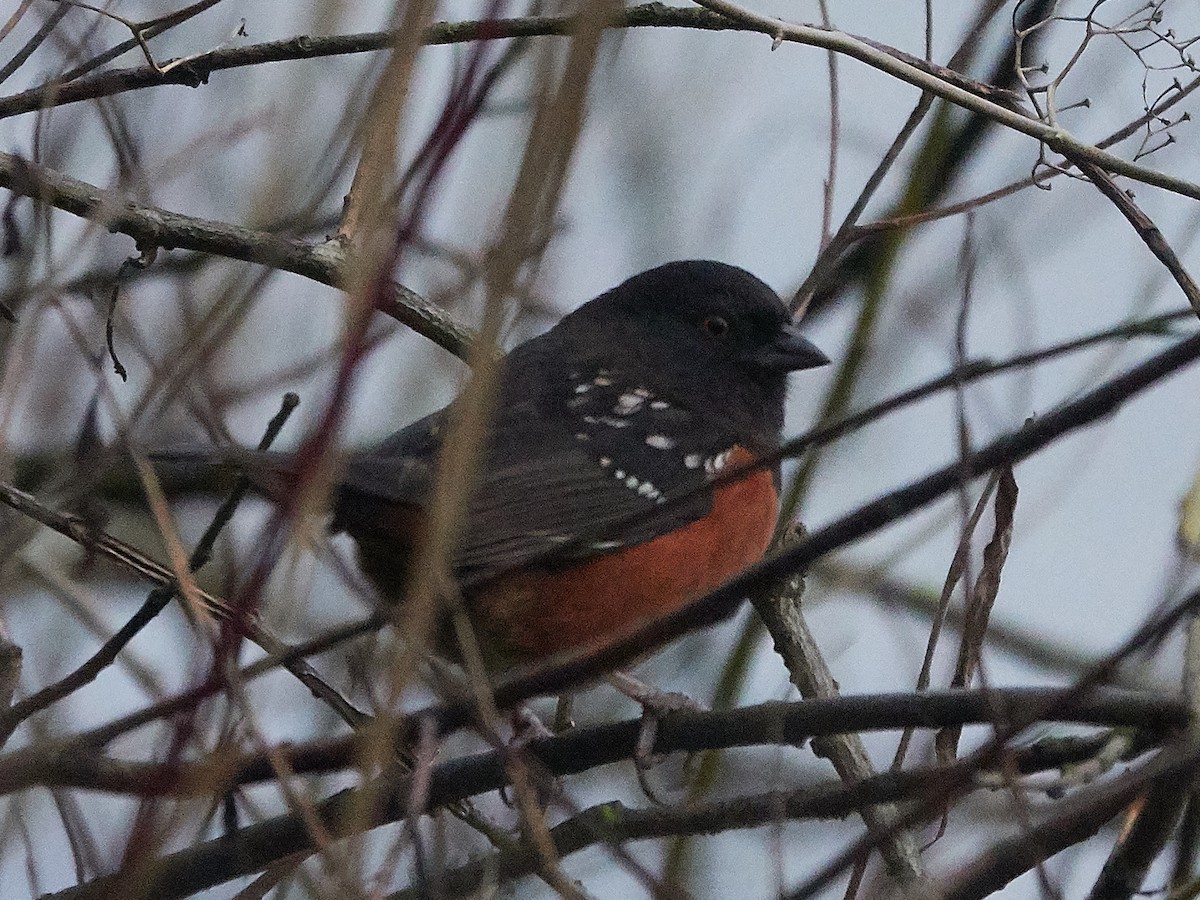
710	335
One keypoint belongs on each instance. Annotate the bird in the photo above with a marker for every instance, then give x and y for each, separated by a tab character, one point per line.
589	513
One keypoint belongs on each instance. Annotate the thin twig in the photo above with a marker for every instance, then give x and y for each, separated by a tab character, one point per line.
135	561
153	605
893	63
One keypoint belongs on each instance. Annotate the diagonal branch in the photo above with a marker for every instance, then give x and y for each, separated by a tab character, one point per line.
719	15
151	226
956	90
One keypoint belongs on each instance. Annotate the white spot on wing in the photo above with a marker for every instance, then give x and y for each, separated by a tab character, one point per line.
693	461
660	441
628	404
715	464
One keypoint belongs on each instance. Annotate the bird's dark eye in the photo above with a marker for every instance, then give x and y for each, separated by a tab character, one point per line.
716	326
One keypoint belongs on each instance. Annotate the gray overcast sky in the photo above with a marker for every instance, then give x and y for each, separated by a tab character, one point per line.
704	144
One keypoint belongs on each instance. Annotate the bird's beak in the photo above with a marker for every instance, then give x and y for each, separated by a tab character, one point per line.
790	352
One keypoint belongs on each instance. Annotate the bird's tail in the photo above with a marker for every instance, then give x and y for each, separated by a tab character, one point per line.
270	473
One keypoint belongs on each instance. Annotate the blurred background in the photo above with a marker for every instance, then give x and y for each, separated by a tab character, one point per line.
695	144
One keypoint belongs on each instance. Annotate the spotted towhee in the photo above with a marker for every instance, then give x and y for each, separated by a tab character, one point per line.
641	395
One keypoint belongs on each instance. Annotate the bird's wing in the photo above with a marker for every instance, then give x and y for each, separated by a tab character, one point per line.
592	473
585	470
